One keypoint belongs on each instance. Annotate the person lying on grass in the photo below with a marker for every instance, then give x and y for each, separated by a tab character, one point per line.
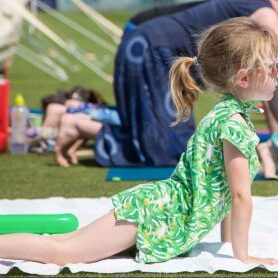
268	151
212	181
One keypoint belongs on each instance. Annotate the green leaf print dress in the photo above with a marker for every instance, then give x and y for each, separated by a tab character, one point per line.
173	215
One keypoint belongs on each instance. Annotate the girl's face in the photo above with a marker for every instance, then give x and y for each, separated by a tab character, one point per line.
263	85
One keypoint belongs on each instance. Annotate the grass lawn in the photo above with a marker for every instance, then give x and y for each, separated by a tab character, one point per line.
33	176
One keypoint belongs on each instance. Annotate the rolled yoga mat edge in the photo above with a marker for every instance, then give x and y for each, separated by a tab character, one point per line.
147	173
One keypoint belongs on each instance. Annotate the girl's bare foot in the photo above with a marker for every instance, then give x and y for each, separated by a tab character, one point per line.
61	160
72	156
72	151
60	156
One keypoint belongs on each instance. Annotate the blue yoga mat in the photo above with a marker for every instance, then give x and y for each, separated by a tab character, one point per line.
146	173
138	173
264	136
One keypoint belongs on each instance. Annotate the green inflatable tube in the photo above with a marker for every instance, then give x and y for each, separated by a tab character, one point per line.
38	223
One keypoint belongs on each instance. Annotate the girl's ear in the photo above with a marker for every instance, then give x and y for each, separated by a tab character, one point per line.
242	78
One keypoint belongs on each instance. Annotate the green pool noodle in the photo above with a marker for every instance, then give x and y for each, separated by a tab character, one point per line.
38	223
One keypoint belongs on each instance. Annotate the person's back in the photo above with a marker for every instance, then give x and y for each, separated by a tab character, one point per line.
141	84
170	29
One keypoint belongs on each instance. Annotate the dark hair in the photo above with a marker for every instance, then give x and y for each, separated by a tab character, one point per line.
78	93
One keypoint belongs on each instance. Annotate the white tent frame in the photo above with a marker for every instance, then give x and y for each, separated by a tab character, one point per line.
72	24
112	29
48	66
29	17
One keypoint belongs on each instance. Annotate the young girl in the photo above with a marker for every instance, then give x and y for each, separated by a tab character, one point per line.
169	217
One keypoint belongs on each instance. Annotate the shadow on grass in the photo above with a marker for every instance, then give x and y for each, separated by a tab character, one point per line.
89	162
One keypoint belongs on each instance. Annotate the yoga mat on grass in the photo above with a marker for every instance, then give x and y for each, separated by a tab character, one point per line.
210	255
264	135
147	173
161	173
138	173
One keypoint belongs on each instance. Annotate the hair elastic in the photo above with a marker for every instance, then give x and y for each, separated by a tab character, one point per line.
195	60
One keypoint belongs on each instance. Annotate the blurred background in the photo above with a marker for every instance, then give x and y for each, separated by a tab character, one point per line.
114	5
40	67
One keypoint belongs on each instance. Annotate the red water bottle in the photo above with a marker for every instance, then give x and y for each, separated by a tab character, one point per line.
4	113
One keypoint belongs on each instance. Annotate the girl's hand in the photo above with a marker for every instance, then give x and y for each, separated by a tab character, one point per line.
256	260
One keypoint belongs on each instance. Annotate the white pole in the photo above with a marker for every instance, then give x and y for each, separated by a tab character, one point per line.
34	11
7	53
35	22
98	18
80	57
49	33
41	45
31	57
77	27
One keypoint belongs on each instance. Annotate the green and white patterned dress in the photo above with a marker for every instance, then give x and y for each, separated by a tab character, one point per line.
173	215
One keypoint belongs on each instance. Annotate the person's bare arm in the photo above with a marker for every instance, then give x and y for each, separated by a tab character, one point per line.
237	169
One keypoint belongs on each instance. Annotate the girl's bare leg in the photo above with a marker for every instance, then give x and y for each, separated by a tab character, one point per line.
101	239
53	115
73	150
271	120
268	157
273	108
51	123
73	127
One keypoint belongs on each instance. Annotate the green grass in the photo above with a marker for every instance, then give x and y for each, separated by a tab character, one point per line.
33	176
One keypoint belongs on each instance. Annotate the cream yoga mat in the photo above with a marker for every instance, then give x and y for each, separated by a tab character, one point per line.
210	255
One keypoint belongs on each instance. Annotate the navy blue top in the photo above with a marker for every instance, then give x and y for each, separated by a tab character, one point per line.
178	31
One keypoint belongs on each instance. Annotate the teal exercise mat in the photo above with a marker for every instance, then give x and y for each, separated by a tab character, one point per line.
148	173
260	177
138	173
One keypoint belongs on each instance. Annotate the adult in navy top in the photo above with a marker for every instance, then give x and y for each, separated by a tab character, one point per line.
168	31
150	43
141	83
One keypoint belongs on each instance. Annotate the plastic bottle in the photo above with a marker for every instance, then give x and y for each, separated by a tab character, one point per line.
19	122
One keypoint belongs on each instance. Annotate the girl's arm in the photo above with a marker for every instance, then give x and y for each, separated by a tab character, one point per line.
237	169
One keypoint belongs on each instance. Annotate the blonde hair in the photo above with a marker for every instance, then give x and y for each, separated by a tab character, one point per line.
238	43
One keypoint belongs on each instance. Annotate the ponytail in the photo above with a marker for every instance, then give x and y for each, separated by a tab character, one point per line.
183	87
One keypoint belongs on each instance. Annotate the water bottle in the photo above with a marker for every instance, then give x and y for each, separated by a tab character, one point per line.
19	123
